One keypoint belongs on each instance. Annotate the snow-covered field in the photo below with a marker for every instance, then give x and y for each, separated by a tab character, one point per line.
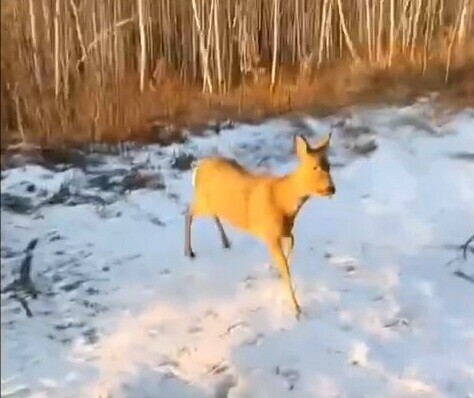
120	312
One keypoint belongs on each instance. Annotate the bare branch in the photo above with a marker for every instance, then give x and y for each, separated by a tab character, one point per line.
103	35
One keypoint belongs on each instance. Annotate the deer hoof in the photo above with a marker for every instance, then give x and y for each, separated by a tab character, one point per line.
298	314
190	254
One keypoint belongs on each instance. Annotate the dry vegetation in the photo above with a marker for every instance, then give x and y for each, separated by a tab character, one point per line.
81	70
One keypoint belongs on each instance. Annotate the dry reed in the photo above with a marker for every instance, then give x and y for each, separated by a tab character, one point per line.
89	70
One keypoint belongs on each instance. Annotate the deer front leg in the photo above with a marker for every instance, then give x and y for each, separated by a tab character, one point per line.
188	251
288	243
276	252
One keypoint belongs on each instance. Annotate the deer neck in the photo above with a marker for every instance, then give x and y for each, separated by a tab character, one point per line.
287	195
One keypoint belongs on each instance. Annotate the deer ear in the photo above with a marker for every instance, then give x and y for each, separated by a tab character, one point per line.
324	144
301	145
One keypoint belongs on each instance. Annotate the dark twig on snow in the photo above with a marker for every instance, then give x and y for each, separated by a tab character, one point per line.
24	285
25	268
466	246
464	276
24	304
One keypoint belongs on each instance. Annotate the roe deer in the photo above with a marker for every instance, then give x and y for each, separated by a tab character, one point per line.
264	206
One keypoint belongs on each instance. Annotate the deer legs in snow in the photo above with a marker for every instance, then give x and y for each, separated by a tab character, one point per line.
188	221
188	251
276	251
280	250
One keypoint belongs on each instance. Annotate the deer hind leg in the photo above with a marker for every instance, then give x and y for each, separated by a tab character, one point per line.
224	239
277	253
188	221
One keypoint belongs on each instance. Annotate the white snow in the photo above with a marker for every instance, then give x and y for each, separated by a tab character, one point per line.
122	313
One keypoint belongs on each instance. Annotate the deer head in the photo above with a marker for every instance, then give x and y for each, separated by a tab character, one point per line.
313	176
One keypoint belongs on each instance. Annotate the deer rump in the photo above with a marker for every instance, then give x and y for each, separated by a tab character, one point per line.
224	189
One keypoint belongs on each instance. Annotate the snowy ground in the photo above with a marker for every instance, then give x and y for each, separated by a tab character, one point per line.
121	312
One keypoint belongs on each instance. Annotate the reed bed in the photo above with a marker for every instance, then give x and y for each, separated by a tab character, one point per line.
92	70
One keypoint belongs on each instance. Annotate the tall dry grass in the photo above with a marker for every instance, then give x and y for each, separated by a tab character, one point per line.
89	69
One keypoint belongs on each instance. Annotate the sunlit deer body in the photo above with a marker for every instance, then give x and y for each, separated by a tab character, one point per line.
264	206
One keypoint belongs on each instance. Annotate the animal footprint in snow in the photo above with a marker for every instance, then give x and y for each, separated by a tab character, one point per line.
359	354
210	313
350	269
398	323
249	282
272	271
255	309
218	368
168	363
341	260
184	351
168	368
290	375
194	329
235	326
253	340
